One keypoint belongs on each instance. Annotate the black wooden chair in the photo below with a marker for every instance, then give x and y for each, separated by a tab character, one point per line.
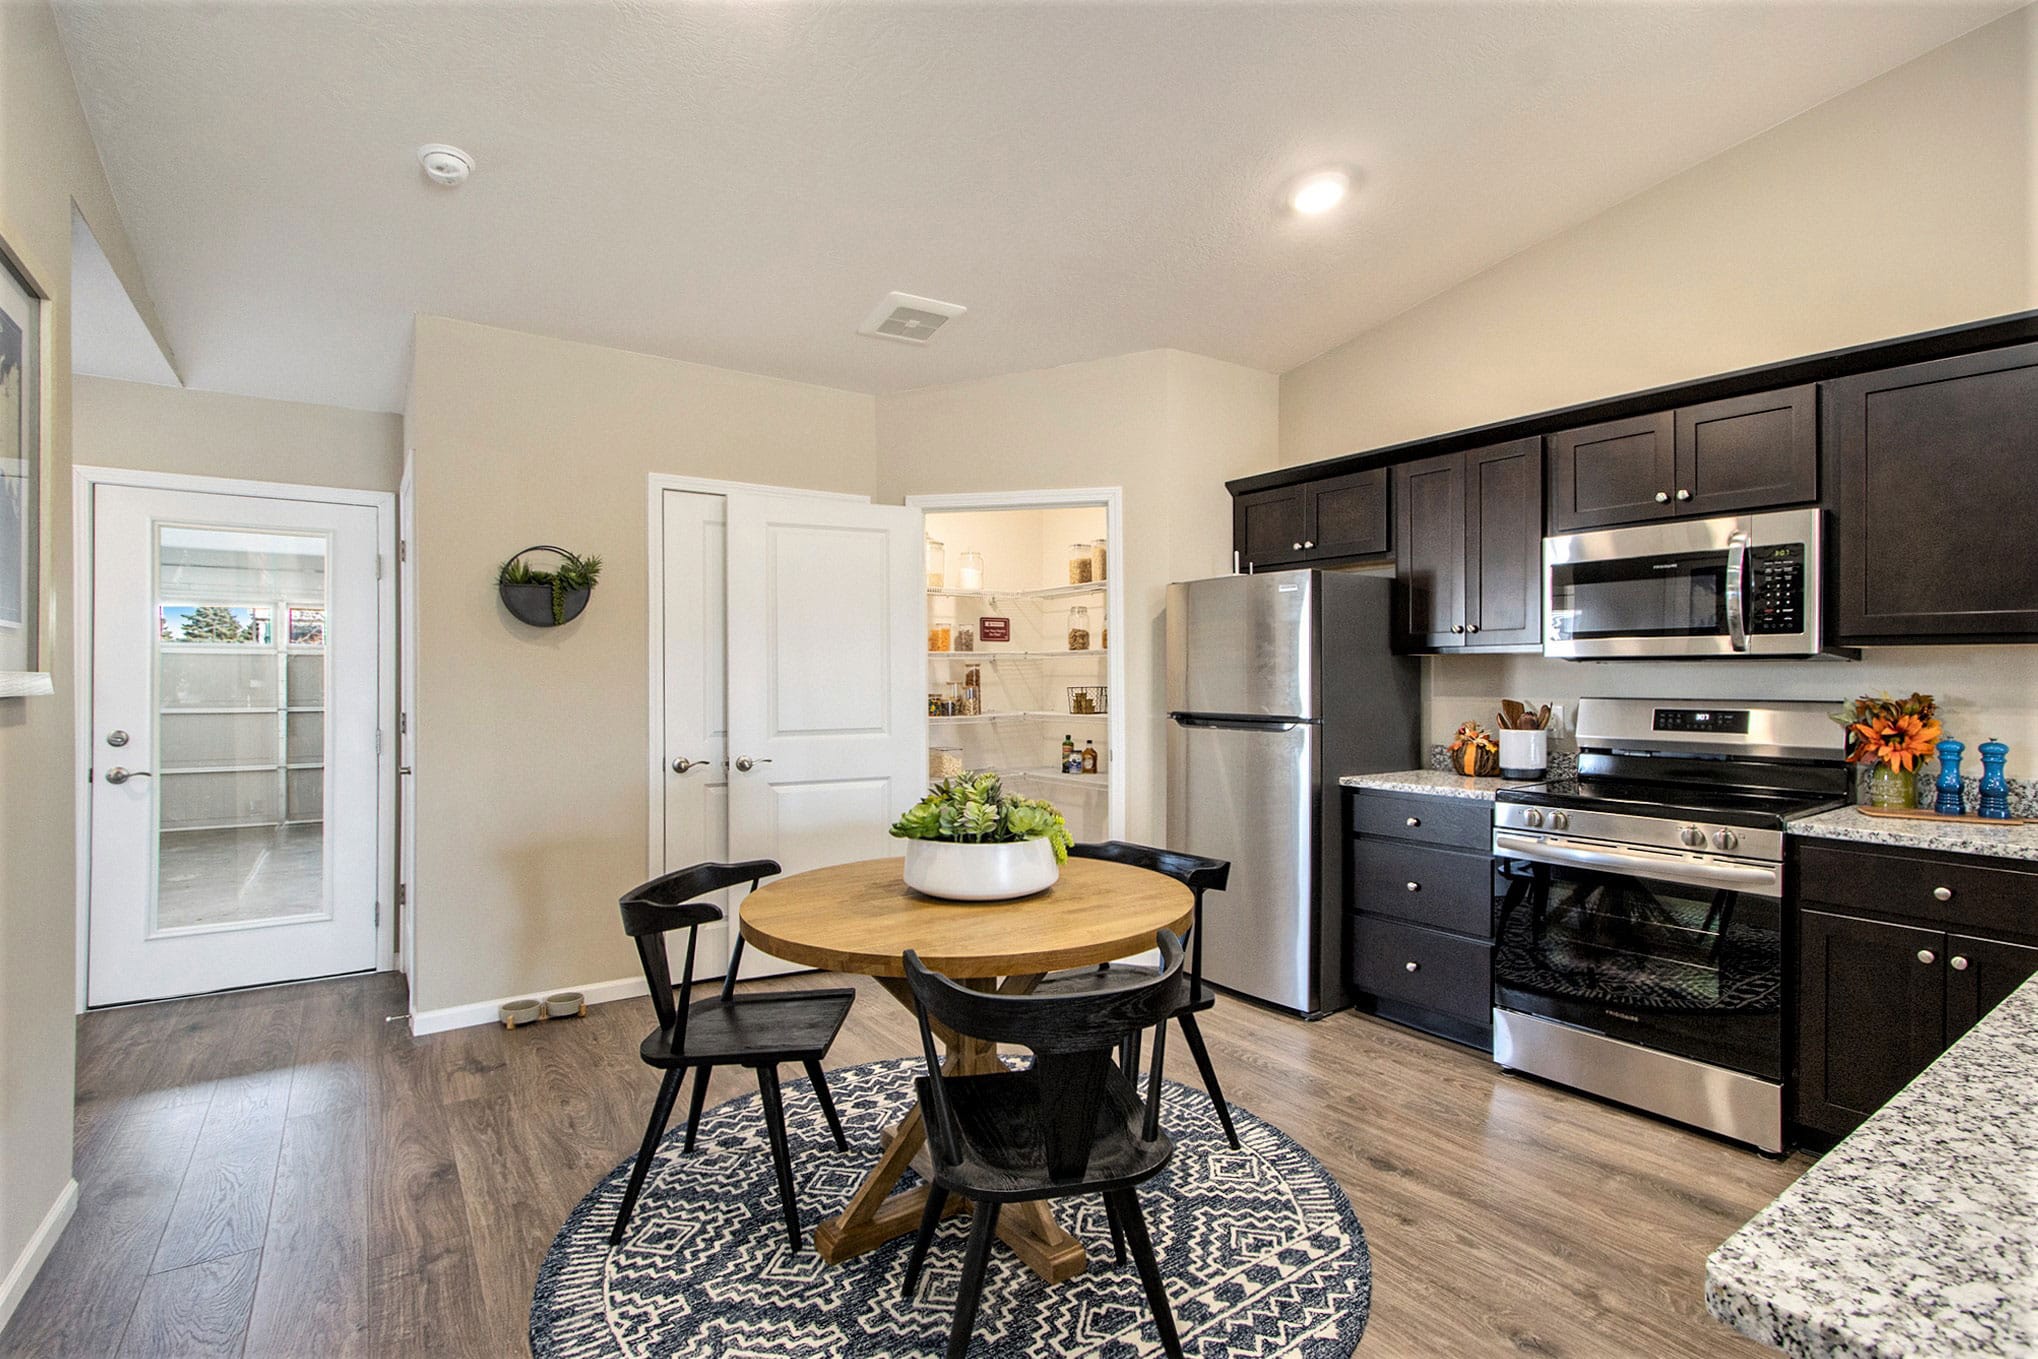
1072	1124
757	1030
1199	875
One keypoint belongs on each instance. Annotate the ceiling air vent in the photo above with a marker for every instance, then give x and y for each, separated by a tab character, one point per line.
909	319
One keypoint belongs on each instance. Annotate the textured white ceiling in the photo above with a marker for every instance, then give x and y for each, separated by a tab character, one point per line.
738	184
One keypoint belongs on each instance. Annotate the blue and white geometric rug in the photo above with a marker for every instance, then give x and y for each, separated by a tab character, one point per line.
1261	1251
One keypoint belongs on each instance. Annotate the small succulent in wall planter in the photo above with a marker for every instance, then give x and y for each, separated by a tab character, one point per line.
545	599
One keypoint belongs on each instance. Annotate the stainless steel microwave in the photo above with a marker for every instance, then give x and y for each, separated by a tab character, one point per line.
1737	585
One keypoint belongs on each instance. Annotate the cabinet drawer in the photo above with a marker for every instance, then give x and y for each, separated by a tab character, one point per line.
1462	823
1439	887
1994	900
1415	966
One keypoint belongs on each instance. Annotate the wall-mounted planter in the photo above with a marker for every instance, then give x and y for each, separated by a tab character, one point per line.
546	599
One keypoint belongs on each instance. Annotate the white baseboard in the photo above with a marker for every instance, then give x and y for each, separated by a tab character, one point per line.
37	1250
489	1011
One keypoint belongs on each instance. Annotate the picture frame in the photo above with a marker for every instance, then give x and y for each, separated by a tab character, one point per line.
23	351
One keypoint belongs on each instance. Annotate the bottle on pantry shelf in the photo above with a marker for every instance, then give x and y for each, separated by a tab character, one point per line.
1089	758
1068	749
1072	763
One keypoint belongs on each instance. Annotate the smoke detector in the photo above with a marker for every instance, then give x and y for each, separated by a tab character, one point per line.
447	165
908	319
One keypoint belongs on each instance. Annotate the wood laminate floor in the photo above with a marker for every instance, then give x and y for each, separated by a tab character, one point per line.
281	1173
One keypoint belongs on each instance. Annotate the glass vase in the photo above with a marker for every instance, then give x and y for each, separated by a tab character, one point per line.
1889	786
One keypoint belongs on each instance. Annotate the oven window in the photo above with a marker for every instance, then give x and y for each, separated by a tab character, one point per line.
1635	944
1675	595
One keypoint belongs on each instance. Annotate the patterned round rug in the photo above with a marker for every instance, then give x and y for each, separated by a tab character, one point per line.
1260	1249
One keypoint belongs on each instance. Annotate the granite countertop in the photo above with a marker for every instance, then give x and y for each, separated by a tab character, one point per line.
1916	1235
1951	837
1434	783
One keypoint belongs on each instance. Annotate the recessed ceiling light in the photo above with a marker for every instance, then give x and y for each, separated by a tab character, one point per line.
447	165
1316	194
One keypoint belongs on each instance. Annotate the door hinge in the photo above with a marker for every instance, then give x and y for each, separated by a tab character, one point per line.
403	550
403	724
378	566
378	913
378	740
403	894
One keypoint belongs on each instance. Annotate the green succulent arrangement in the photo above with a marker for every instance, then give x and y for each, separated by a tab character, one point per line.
572	573
975	809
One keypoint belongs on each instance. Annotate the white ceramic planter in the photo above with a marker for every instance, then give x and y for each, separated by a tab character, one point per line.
967	872
1524	754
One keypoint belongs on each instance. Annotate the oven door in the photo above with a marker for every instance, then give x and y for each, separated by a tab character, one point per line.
1732	586
1665	960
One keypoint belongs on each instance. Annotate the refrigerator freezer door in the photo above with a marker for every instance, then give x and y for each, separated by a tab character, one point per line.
1243	646
1247	793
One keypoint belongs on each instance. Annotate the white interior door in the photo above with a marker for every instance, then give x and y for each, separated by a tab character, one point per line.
694	697
234	764
827	713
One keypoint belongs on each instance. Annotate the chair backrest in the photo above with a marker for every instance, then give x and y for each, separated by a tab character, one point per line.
654	909
1193	871
1073	1039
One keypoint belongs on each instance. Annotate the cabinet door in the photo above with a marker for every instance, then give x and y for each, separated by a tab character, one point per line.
1980	975
1871	1007
1347	515
1267	527
1748	453
1621	472
1934	463
1429	554
1504	544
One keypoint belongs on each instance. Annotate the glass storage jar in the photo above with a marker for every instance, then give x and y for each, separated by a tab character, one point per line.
1079	629
1080	566
939	636
969	572
1096	559
937	564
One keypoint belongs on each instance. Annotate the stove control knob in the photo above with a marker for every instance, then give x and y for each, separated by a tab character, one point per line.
1532	817
1692	836
1559	821
1724	840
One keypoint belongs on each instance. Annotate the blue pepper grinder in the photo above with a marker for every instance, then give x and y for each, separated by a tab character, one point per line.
1952	801
1995	789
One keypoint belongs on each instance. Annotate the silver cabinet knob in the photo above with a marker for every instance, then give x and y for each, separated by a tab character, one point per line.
1532	817
119	775
1297	547
1413	967
1926	955
1684	495
1457	627
746	764
1414	886
1414	821
1942	893
1308	543
1662	497
1471	627
1957	963
682	764
1724	839
1559	821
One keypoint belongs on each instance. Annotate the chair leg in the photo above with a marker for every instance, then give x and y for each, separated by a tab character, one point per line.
694	1103
819	1080
983	1229
930	1220
661	1110
1117	1228
781	1152
1201	1053
1149	1271
1128	1057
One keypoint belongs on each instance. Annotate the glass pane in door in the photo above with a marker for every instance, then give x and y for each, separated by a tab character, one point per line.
240	727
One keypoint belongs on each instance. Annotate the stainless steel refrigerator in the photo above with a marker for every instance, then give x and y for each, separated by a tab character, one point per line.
1280	683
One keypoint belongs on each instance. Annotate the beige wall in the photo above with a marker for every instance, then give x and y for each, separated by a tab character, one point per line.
531	744
172	429
1168	427
47	161
1902	205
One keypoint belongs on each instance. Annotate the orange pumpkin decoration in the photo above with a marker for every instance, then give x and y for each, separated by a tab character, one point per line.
1474	752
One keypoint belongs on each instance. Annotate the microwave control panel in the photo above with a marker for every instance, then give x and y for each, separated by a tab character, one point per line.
1776	589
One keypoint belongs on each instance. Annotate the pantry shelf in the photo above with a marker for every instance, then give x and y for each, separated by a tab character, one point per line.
972	657
1044	592
1058	776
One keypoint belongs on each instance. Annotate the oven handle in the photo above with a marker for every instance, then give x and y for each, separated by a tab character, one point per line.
1737	590
1675	868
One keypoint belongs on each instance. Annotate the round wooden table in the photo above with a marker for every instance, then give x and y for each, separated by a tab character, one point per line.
861	917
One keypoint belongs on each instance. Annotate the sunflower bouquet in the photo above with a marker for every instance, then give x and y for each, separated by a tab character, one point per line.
1892	736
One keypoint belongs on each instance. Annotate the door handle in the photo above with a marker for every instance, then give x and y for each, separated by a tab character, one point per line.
119	775
746	764
682	764
1737	590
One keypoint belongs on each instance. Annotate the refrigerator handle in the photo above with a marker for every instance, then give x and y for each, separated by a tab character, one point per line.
1236	723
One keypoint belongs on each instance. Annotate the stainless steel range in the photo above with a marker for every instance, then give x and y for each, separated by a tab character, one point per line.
1638	908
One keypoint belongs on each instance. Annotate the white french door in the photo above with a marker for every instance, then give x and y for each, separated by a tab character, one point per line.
816	740
235	662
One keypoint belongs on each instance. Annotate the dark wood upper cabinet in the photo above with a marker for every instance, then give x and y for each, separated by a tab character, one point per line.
1429	554
1621	472
1327	520
1504	545
1267	527
1871	1014
1933	461
1748	453
1468	549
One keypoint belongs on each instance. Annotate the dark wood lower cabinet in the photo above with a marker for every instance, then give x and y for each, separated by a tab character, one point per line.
1981	973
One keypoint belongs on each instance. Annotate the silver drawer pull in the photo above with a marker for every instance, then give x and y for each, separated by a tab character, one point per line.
1412	967
1926	955
1415	887
1957	963
1415	821
1943	893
